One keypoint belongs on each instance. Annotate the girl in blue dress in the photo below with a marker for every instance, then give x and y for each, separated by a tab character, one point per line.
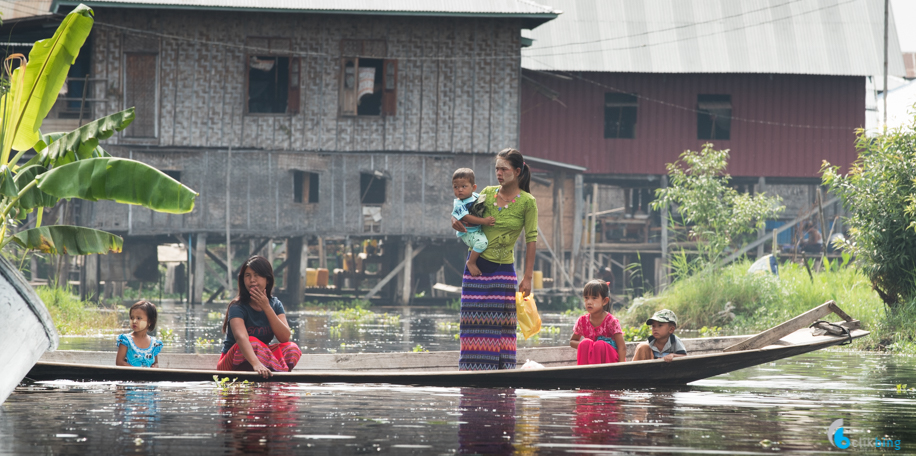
139	349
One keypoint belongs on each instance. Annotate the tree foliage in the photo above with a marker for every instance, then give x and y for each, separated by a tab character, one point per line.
67	165
717	213
880	193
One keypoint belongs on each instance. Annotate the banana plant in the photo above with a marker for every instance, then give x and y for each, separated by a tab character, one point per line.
67	165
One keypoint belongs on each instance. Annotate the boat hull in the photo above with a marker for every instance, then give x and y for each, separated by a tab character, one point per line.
26	329
606	376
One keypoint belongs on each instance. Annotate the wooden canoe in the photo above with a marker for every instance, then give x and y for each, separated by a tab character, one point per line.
26	329
707	357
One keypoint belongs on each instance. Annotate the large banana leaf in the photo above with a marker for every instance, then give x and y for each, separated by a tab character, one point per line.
7	183
34	197
121	180
71	240
59	149
49	61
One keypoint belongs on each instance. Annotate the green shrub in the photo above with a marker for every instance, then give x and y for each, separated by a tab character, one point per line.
880	193
72	316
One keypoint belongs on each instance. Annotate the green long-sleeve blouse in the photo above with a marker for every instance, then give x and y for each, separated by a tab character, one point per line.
510	221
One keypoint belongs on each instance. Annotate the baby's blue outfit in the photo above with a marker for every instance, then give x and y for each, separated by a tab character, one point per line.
140	357
474	238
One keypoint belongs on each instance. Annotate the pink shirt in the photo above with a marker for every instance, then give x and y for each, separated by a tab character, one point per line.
608	327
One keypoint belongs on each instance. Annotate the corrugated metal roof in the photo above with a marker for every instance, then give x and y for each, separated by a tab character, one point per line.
829	37
521	8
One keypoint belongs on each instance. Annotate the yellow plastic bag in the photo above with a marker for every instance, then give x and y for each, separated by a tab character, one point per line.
529	322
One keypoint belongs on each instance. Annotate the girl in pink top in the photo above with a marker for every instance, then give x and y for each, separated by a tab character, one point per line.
597	336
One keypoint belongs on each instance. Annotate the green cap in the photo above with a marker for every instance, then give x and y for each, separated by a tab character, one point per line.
663	316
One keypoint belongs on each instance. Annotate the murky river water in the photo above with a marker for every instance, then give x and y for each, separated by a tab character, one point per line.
783	407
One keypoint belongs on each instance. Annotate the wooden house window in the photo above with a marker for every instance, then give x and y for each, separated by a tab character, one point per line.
273	77
305	187
368	81
372	188
714	116
619	115
140	92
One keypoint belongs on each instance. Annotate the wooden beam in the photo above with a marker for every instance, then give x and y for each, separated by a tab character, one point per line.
219	276
564	276
392	274
765	238
215	294
775	333
280	268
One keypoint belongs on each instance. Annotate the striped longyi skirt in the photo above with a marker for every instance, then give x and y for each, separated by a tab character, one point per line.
488	319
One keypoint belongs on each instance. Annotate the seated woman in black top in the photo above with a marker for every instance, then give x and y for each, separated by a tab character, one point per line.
253	318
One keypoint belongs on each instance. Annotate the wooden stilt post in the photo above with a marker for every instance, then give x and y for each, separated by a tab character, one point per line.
200	249
296	259
322	256
90	291
578	209
663	275
407	284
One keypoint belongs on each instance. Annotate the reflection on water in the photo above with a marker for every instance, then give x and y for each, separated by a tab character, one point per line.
783	407
255	419
487	423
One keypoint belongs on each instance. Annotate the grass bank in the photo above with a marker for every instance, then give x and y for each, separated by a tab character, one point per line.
743	303
72	316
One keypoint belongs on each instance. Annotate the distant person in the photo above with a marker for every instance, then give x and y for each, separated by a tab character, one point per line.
811	240
597	336
463	183
662	343
139	349
252	320
488	317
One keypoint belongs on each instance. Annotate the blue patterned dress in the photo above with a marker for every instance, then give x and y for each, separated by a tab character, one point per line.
140	357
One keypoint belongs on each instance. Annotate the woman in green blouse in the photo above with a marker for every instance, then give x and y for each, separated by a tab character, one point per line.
488	319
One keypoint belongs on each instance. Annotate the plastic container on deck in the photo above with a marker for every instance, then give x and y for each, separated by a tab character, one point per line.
322	280
311	277
538	280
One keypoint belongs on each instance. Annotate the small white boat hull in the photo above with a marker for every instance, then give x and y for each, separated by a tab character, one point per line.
26	329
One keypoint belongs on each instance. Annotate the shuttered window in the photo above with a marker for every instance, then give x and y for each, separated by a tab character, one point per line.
368	81
140	91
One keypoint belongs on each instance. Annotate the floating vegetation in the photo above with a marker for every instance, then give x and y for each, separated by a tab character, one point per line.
358	315
166	335
710	331
419	349
202	342
447	327
224	386
338	304
351	322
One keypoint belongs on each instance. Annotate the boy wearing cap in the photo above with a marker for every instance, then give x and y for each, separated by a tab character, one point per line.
662	343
